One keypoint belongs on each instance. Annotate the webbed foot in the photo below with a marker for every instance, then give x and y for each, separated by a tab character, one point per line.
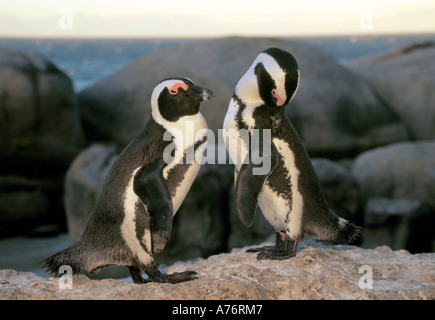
178	277
156	276
284	248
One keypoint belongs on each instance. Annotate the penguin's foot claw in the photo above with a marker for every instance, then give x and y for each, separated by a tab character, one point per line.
178	277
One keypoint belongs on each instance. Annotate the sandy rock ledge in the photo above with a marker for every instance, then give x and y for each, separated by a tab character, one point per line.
317	272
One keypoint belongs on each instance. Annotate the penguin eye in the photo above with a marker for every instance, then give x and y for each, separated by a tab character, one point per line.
174	89
274	93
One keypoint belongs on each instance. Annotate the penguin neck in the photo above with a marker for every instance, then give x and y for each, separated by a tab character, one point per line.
186	123
247	90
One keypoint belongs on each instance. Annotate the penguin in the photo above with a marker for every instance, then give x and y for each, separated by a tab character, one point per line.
289	193
144	188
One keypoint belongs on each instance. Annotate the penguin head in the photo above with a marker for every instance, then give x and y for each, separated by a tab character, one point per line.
174	98
273	78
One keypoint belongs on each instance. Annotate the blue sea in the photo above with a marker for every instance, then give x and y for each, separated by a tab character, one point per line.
87	61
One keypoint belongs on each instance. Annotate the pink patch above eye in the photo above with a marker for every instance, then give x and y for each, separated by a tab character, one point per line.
279	100
175	87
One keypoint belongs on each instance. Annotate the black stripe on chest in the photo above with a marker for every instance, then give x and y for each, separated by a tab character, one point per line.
176	174
240	124
279	181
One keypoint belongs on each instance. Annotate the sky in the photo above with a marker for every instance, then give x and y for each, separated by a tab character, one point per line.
202	18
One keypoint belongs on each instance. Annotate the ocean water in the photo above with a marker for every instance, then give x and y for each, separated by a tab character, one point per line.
87	61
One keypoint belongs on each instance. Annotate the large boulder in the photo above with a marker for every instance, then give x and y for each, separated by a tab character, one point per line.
402	170
39	119
405	79
403	174
399	224
83	180
335	111
40	134
340	188
317	272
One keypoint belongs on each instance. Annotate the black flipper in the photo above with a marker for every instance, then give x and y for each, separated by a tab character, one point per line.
249	185
150	186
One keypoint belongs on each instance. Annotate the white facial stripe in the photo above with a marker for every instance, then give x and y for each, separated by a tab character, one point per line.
156	93
297	87
275	71
247	88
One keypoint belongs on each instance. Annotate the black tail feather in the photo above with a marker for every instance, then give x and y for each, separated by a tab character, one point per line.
348	233
69	257
334	229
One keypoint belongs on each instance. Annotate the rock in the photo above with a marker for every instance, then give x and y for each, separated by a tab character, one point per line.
341	189
335	111
26	204
15	209
404	78
39	119
400	224
40	134
83	180
403	170
317	272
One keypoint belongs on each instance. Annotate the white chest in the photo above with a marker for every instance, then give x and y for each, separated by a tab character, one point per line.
278	211
234	137
185	134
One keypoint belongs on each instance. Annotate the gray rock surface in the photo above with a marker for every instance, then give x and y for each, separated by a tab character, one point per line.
403	170
403	175
39	118
83	180
399	224
340	188
317	272
404	77
335	111
40	134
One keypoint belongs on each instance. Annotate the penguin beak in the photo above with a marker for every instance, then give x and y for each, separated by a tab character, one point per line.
200	93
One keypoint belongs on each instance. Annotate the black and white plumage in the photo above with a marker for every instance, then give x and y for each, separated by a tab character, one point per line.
144	188
289	194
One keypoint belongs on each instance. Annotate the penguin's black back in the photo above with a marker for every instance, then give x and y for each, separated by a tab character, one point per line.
108	212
